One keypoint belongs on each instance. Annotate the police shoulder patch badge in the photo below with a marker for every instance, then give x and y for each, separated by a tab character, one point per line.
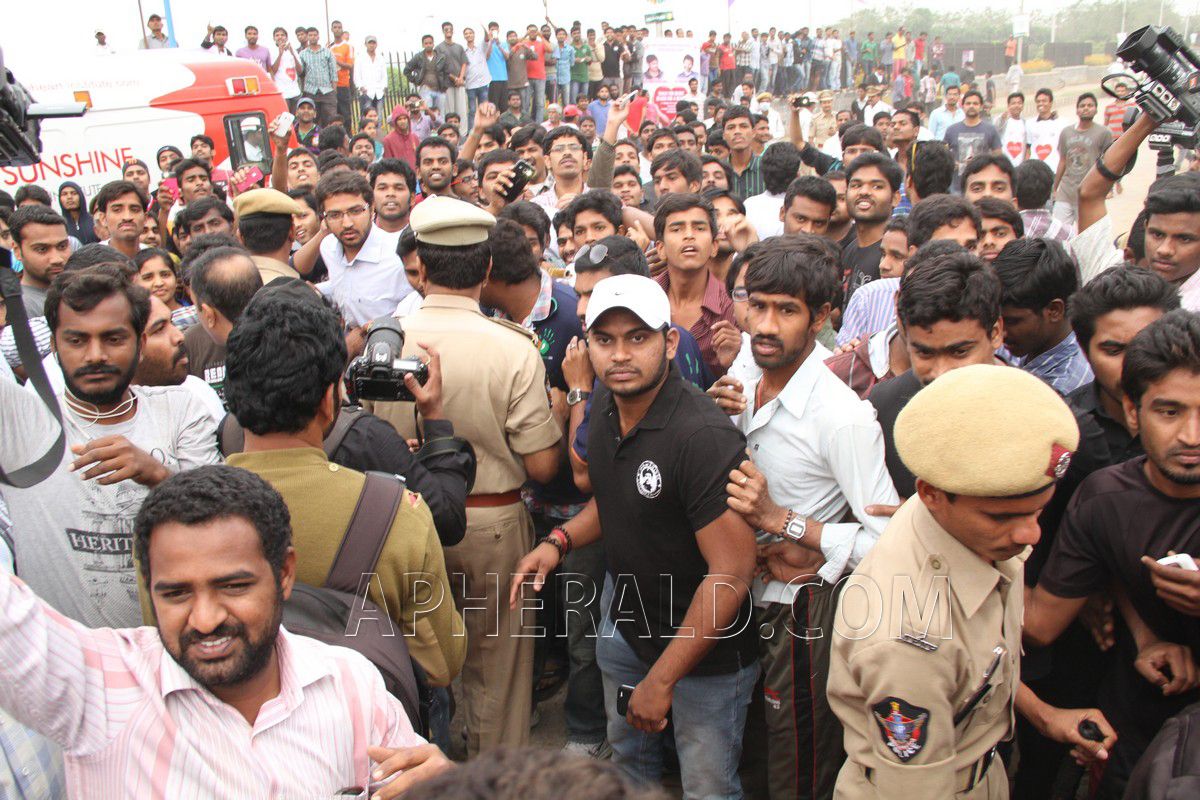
902	726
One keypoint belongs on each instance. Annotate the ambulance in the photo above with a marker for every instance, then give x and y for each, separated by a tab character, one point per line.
140	101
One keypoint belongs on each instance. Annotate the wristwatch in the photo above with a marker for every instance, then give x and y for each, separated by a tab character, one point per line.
577	396
794	526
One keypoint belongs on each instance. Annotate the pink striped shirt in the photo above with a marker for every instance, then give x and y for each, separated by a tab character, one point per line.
133	724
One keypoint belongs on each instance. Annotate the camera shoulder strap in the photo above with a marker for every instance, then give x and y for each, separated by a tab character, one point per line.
31	360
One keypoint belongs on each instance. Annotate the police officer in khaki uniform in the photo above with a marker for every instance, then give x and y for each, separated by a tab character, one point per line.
263	215
494	391
824	124
926	653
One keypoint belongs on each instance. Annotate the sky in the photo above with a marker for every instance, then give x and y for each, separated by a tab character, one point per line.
394	23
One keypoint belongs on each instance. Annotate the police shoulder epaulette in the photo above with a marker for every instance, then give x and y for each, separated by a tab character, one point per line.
516	328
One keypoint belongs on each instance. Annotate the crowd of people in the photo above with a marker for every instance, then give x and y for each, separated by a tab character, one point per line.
891	485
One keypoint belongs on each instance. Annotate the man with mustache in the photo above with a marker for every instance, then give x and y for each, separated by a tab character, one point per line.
72	531
141	709
816	454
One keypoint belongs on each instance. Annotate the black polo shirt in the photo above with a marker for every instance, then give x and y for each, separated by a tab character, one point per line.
654	488
1118	444
889	398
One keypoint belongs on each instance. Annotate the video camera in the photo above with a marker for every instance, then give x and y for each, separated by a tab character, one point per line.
1166	86
20	117
378	374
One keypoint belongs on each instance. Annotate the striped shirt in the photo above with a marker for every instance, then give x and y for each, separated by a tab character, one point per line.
872	308
1063	366
133	724
749	182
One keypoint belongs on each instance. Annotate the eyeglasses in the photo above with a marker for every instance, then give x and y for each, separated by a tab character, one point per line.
574	147
592	255
740	295
469	178
336	216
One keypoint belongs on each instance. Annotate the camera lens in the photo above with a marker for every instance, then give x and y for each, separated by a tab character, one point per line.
1142	49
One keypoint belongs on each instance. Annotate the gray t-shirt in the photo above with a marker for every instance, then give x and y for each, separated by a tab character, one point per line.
74	538
34	300
455	55
1079	151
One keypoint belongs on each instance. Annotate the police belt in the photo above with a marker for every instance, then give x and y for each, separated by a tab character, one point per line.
972	776
494	500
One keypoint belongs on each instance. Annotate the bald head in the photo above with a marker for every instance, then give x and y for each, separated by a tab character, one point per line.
222	282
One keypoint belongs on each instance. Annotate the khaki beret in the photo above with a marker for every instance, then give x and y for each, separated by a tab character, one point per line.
265	201
450	222
825	95
987	431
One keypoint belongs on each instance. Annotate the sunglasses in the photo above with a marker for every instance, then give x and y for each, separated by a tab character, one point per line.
592	255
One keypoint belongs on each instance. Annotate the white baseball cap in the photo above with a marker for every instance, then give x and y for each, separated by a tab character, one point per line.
641	296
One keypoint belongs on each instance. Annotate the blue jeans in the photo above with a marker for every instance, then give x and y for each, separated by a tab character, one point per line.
537	88
432	99
578	88
708	711
474	98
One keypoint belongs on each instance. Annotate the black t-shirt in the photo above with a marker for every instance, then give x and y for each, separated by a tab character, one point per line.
889	397
1116	441
860	265
206	358
654	488
610	67
1114	519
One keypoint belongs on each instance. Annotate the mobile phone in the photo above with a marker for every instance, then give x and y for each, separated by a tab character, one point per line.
523	172
283	124
629	98
254	176
172	186
624	692
1182	560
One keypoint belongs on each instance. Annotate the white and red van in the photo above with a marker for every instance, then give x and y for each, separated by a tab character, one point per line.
140	101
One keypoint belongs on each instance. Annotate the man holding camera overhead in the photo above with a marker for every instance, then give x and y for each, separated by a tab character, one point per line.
494	391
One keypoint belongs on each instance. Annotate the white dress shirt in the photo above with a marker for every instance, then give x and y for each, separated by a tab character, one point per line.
822	452
371	74
371	285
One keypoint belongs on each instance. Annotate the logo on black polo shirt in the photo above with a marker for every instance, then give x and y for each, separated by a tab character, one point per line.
649	480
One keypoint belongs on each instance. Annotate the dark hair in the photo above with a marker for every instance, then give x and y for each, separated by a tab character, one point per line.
1169	343
114	189
305	195
950	286
1046	92
688	164
679	202
993	208
185	164
512	257
496	132
198	209
1011	95
913	115
985	160
1035	272
716	139
561	132
1085	96
1136	241
606	204
889	168
779	164
84	289
1121	289
31	191
624	257
200	137
343	183
149	254
435	141
329	160
301	151
406	244
362	137
858	133
932	168
526	134
500	155
284	353
95	253
1032	183
724	165
264	233
393	166
934	212
227	291
199	245
524	212
332	137
627	169
33	215
1176	194
878	116
455	267
973	93
660	133
819	190
799	265
215	491
737	112
711	195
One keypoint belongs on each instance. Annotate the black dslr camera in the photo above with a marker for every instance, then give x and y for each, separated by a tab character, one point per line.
1167	86
378	374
